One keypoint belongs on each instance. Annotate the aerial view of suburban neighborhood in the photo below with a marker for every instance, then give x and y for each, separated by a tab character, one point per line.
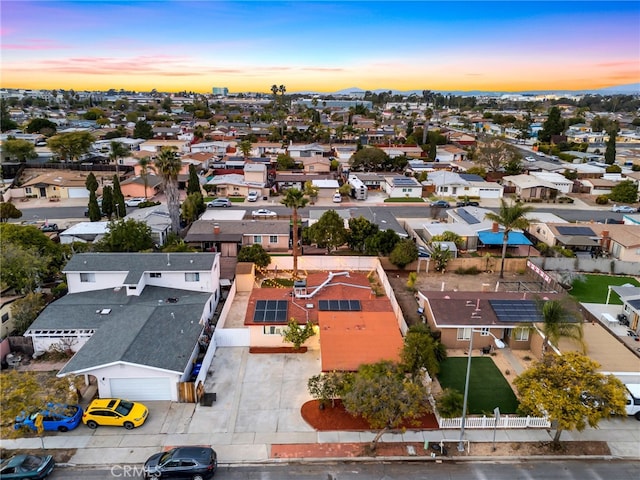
218	258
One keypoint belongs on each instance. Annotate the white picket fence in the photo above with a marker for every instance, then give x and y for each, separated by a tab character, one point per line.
505	421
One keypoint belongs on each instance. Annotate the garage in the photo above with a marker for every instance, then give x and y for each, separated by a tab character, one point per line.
157	388
77	192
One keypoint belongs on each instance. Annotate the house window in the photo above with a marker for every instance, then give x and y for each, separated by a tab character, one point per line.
27	190
272	330
5	317
192	277
484	332
464	334
444	189
88	277
155	275
521	334
257	239
273	239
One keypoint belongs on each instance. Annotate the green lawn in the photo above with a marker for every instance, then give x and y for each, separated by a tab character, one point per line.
594	289
488	389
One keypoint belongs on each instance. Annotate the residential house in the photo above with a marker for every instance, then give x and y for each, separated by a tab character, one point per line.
327	187
621	242
137	322
507	316
214	148
55	185
7	325
156	218
155	145
373	181
232	185
135	186
316	165
461	185
399	186
84	232
528	187
355	326
227	237
285	180
598	186
298	152
562	184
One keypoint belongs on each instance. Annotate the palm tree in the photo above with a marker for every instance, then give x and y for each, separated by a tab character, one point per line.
295	199
118	150
168	166
557	323
145	167
511	217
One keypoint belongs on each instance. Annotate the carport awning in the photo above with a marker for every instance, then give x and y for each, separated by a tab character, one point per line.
496	238
577	241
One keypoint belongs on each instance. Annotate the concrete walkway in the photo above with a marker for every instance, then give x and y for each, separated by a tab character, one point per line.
258	405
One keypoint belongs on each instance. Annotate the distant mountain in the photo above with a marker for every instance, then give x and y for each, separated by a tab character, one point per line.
628	89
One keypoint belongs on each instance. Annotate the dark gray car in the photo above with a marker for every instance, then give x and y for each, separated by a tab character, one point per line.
193	463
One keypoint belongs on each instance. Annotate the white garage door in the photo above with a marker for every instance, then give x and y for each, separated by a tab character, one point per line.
78	193
141	388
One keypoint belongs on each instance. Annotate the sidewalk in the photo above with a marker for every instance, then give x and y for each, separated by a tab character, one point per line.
258	421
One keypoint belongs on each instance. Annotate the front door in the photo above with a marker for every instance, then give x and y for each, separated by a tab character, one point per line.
43	192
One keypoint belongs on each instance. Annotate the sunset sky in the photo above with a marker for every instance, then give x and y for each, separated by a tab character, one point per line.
318	45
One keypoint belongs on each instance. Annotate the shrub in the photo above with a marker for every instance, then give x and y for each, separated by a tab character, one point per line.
449	403
602	199
467	271
148	203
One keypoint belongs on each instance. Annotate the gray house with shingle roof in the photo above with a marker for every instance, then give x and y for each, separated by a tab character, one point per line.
228	237
137	322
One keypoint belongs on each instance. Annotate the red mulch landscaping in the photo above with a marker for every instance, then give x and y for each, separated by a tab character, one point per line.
277	350
337	418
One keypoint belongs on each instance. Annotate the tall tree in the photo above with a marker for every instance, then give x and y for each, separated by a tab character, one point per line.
107	201
385	397
168	166
17	149
95	213
558	323
70	146
6	123
420	351
193	184
511	217
245	147
143	129
145	168
126	236
359	230
404	253
328	232
553	125
118	151
610	152
119	207
8	210
570	391
494	153
22	268
295	199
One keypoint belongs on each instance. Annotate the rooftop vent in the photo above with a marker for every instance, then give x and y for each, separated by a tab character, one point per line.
172	300
105	311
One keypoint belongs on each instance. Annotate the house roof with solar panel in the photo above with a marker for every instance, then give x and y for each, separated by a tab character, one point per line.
485	309
356	326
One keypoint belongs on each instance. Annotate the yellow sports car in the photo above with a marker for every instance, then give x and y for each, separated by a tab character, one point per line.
115	412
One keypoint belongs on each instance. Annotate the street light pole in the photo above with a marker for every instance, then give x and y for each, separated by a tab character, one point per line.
500	344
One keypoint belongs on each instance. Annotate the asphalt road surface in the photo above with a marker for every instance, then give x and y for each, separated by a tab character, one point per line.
402	211
539	470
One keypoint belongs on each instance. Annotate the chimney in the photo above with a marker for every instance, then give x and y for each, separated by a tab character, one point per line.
495	228
605	240
216	228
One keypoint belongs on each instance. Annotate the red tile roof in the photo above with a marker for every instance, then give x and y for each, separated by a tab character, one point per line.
350	339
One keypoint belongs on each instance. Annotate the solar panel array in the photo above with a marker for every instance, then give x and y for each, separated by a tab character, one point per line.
467	217
339	305
271	311
577	231
516	311
407	181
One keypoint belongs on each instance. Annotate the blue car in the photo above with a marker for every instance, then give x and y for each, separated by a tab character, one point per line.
55	417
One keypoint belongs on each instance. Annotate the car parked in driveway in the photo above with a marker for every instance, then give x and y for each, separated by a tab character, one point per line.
467	203
26	466
197	463
219	202
134	202
252	196
55	417
115	412
49	227
623	209
440	204
263	212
